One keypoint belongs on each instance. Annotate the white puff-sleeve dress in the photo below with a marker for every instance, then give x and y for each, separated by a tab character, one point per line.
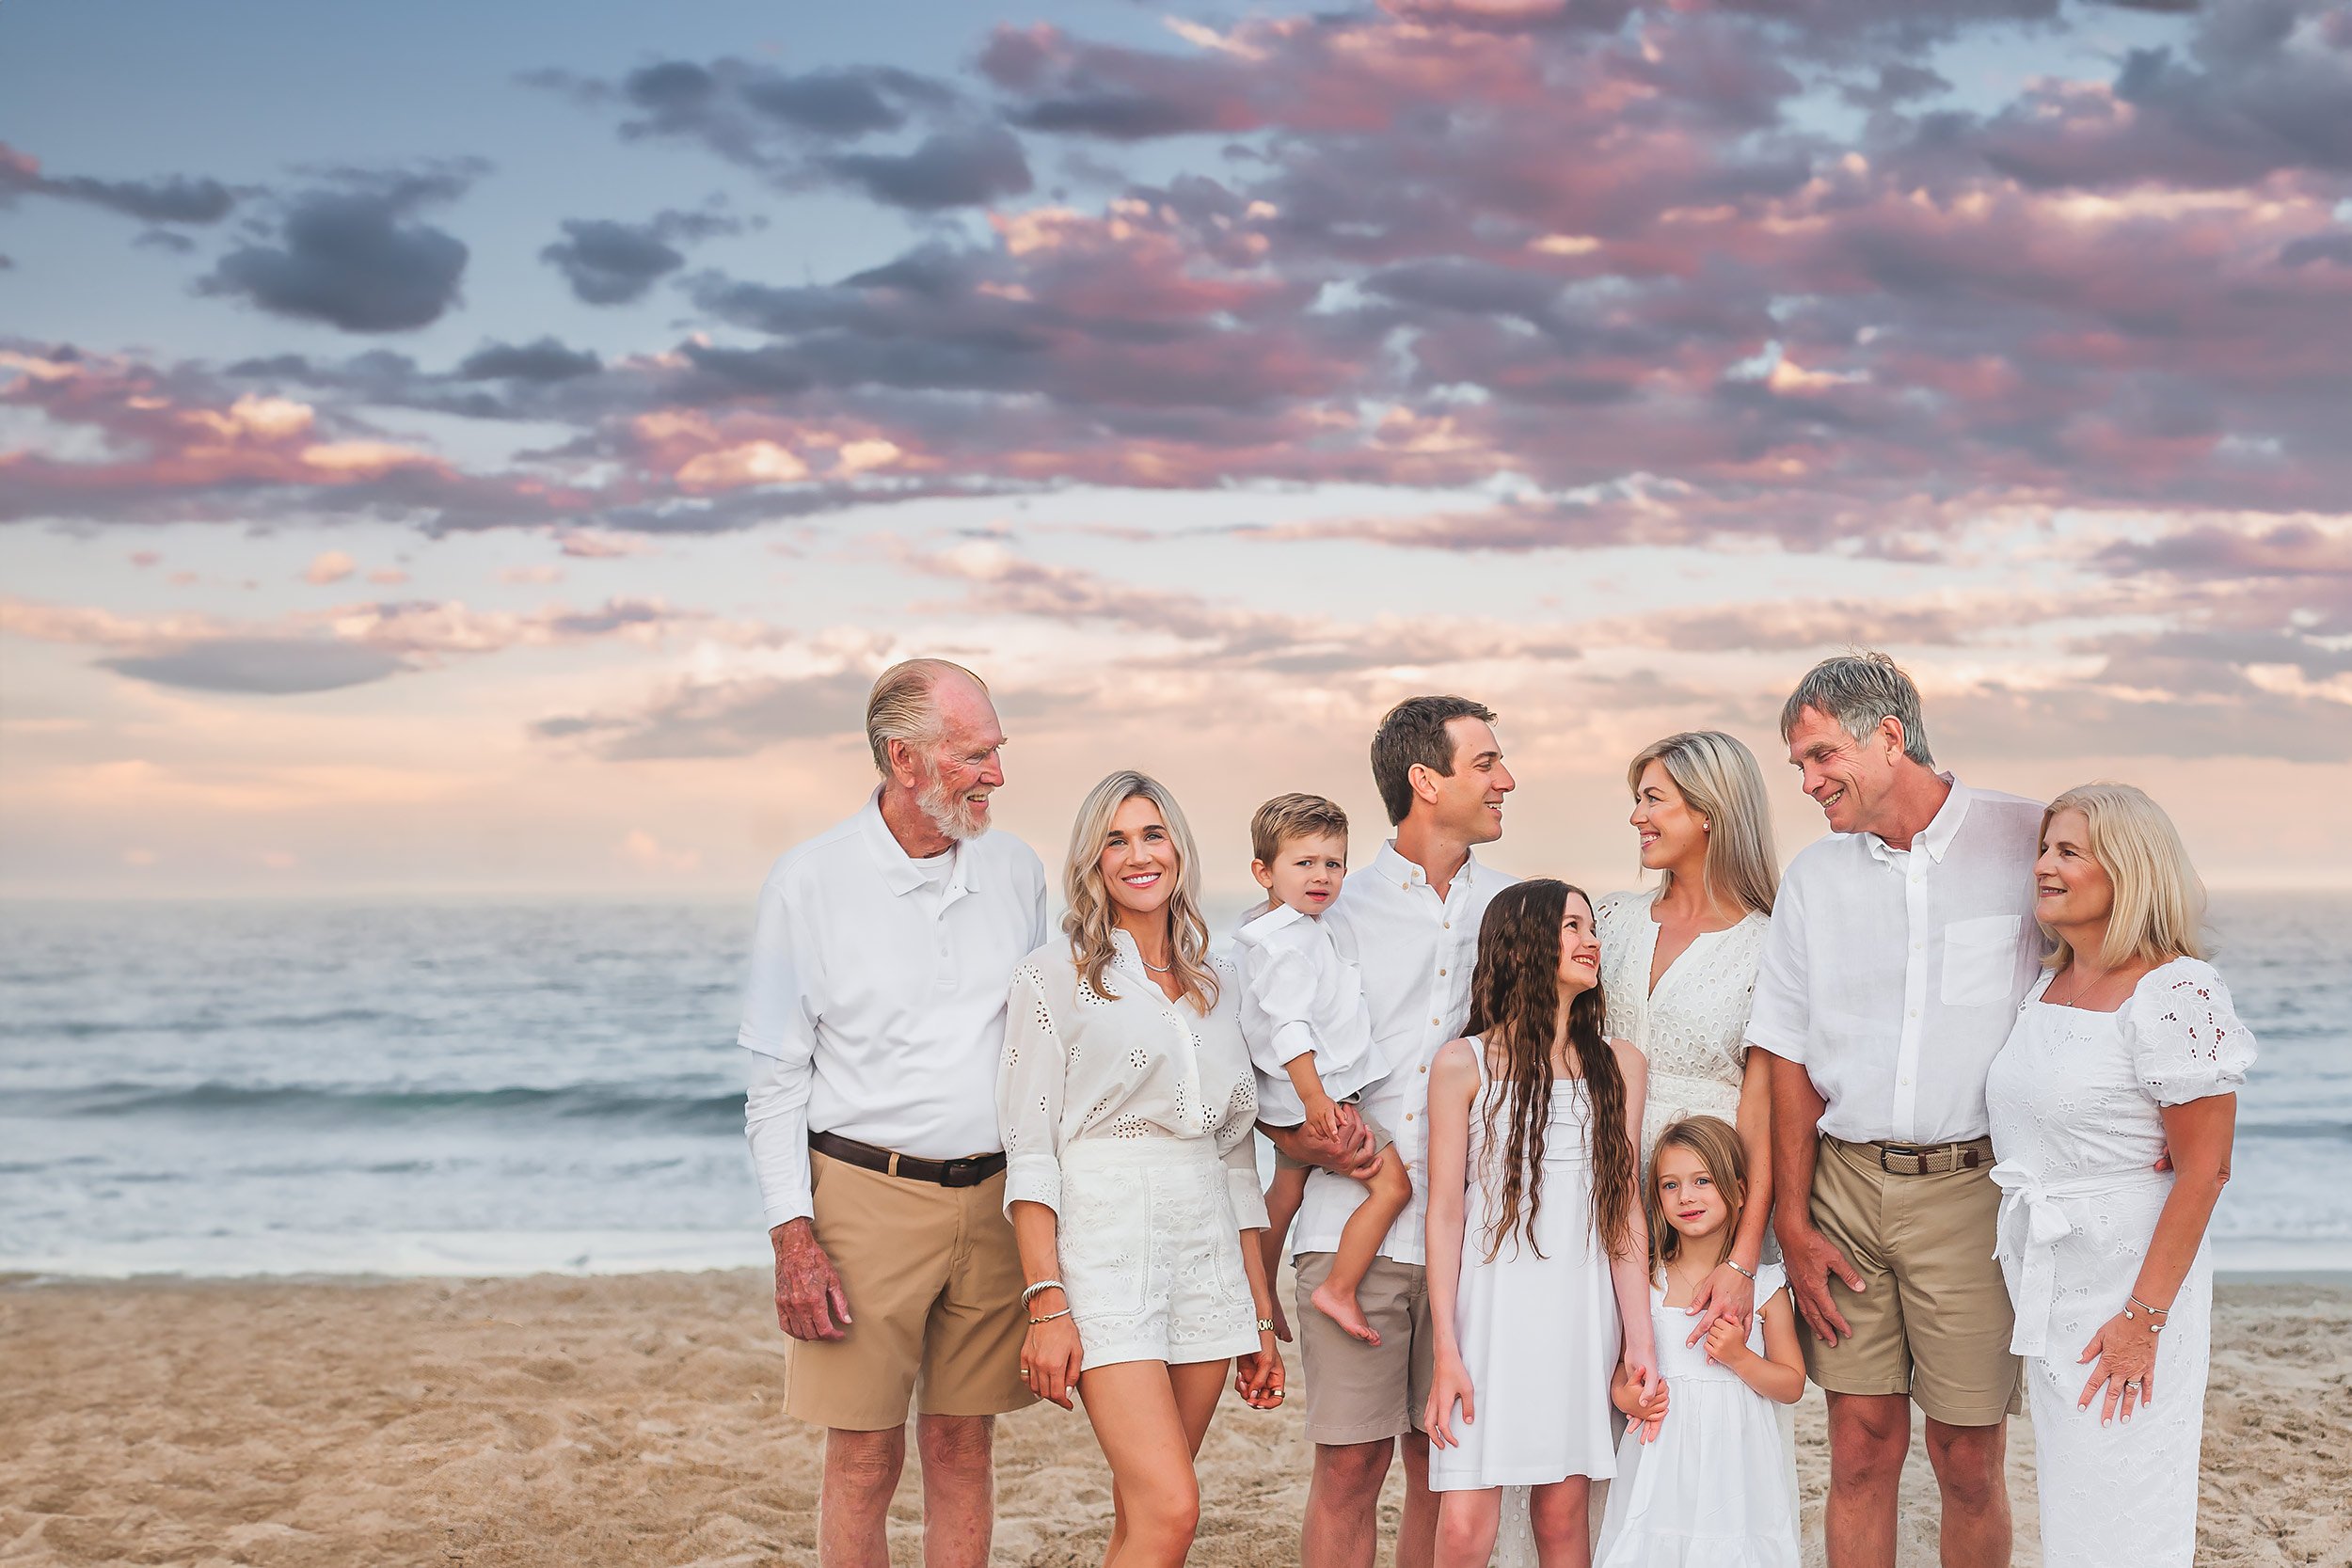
2076	1101
1131	1117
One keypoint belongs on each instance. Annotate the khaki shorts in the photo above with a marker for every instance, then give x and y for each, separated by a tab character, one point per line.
1934	1319
1359	1393
934	1278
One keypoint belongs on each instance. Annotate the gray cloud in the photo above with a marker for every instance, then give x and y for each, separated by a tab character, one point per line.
724	719
266	666
610	262
355	257
175	198
950	169
544	359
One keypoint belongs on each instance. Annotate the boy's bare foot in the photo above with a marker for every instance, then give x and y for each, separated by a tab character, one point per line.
1282	1323
1341	1309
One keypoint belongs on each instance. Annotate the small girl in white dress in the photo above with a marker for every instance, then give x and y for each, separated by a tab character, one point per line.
1702	1476
1536	1238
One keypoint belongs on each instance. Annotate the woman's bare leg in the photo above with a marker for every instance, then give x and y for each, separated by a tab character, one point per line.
1151	1418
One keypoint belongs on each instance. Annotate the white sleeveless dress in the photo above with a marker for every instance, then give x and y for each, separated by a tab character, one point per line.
2076	1101
1692	1032
1540	1334
1713	1491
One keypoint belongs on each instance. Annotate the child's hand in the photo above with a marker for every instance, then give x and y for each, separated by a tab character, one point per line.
1641	1399
1322	1116
1728	1344
1449	1386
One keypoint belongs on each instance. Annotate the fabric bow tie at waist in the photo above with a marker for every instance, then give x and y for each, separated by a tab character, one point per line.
2033	1221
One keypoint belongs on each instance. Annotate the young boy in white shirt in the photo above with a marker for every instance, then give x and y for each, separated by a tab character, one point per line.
1310	1037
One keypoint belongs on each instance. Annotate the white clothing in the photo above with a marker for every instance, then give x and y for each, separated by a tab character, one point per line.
1131	1117
1893	975
2076	1101
1414	952
876	1002
1300	997
1537	1326
1693	1029
1715	1490
1150	1254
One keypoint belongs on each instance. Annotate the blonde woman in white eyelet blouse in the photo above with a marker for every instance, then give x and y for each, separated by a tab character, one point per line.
1127	1102
1131	1117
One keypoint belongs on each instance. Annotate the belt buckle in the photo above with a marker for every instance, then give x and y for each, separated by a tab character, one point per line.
1918	1158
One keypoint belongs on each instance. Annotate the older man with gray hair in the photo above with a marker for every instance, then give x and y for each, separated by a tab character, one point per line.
874	1016
1900	947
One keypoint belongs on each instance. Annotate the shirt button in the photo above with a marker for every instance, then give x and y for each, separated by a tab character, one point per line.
1424	1066
1442	974
1441	1025
1915	1012
1449	925
1408	1116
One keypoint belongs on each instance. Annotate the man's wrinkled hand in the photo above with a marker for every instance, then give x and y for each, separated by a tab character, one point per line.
810	1303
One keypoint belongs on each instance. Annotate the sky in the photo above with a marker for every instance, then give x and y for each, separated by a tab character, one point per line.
464	450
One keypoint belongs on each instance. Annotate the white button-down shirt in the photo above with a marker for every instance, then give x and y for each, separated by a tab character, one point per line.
1894	975
1079	1065
876	1004
1300	997
1414	951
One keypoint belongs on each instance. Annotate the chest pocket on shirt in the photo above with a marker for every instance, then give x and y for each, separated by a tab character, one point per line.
1980	960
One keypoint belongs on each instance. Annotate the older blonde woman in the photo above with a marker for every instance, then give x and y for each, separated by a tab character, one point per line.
2127	1047
1127	1102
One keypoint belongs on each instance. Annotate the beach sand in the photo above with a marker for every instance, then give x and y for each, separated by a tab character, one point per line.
633	1420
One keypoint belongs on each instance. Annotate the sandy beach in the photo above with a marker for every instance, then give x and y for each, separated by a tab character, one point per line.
632	1419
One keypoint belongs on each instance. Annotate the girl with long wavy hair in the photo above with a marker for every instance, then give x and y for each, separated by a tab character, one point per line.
1538	1251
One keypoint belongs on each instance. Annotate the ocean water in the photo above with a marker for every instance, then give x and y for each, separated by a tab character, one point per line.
227	1088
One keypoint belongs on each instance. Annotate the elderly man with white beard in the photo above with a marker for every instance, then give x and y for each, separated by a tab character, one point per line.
874	1016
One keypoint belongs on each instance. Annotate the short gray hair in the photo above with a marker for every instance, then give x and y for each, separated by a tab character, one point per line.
900	706
1855	691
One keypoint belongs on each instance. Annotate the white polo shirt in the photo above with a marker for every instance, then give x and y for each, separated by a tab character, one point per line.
876	1004
1414	952
1895	975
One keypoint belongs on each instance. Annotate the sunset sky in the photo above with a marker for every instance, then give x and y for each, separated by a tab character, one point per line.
460	448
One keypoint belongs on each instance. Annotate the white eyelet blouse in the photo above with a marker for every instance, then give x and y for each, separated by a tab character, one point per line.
1080	1065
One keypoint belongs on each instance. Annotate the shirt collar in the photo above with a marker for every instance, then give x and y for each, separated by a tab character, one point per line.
1391	866
1936	837
903	873
1263	922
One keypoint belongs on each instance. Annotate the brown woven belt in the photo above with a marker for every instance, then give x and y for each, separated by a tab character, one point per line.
968	1171
1927	1159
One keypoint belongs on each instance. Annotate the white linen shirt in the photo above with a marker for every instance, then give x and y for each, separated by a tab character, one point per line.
876	1004
1079	1065
1300	997
1414	952
1894	975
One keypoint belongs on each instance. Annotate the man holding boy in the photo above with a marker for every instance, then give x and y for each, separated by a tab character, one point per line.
1900	947
1409	920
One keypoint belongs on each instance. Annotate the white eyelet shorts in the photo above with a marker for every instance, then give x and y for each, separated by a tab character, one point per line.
1151	1253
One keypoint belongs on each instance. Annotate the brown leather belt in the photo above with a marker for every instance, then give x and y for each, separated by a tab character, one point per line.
1928	1159
969	1171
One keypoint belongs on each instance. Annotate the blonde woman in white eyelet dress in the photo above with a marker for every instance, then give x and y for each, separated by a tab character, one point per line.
2129	1049
1678	967
1128	1104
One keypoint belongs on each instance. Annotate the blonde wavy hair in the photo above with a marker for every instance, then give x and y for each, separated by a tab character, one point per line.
1719	777
1089	923
2159	908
